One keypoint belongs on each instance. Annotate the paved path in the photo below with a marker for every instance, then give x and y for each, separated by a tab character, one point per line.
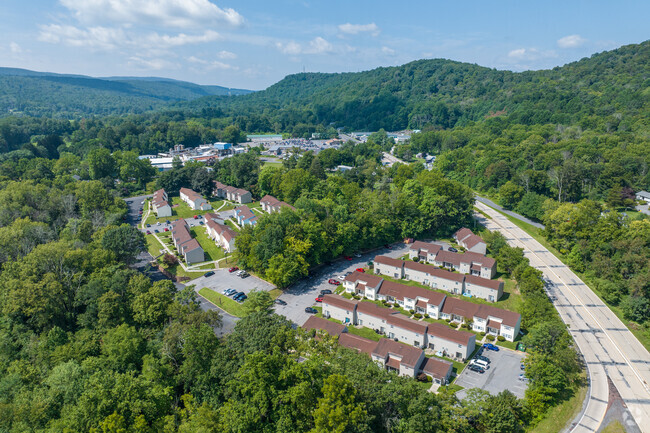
609	348
505	211
643	208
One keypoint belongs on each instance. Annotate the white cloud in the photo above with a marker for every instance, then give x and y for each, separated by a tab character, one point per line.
388	50
15	48
181	39
530	54
168	13
571	41
226	55
354	29
211	64
317	45
151	64
94	37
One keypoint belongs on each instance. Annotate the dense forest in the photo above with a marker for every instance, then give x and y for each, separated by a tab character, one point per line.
24	92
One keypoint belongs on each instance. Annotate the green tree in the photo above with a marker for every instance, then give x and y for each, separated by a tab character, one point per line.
258	301
125	241
101	163
338	411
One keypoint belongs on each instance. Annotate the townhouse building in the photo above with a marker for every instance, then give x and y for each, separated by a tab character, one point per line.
245	216
467	263
231	193
471	242
339	308
160	204
271	204
490	290
187	247
451	342
222	235
484	318
194	200
424	251
332	328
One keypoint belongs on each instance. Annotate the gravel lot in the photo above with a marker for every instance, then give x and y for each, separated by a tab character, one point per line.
503	374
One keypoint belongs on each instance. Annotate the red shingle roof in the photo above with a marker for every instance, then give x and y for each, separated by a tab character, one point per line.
483	282
460	308
437	367
509	318
409	354
385	260
368	279
446	333
357	343
400	291
436	272
340	302
332	328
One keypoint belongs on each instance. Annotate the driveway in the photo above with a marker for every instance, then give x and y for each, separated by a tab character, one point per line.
503	374
644	209
303	293
134	205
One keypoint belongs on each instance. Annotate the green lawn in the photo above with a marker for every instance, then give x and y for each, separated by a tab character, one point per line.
232	225
211	250
365	333
275	293
183	211
614	427
272	164
223	302
153	246
180	272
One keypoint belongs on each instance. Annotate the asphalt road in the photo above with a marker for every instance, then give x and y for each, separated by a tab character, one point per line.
512	214
609	348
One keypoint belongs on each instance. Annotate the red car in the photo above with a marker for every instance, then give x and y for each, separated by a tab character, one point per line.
233	269
196	217
148	232
347	257
166	229
319	299
360	270
333	281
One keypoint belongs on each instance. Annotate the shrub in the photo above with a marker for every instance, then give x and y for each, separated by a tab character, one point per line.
501	338
417	315
448	320
490	337
384	301
412	311
426	316
464	326
416	259
170	259
482	334
453	325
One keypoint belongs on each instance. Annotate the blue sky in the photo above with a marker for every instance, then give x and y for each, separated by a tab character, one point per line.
255	43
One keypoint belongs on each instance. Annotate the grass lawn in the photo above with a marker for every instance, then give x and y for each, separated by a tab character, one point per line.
180	272
211	250
453	388
559	416
153	246
614	427
209	266
223	302
182	211
508	344
640	332
275	293
232	225
365	333
272	164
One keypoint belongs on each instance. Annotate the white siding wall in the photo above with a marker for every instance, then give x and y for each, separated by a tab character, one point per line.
338	313
451	347
391	271
194	256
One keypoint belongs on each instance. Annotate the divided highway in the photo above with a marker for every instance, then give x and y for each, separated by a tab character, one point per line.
609	348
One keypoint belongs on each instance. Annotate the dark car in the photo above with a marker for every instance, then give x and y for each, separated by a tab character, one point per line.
387	246
148	232
241	298
167	222
453	250
333	281
311	310
208	274
476	368
490	346
237	295
156	231
280	302
244	275
325	292
482	358
201	222
522	366
148	225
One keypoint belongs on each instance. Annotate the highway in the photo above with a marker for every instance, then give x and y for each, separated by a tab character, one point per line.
609	348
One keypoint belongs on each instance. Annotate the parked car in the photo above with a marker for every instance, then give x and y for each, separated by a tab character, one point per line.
148	232
208	274
156	231
142	202
236	295
476	368
201	222
200	216
166	229
229	292
241	299
311	310
387	246
239	272
319	299
522	366
523	378
280	302
244	275
341	277
482	358
148	225
360	270
233	269
333	281
453	250
357	255
167	222
484	365
347	257
196	217
490	346
325	292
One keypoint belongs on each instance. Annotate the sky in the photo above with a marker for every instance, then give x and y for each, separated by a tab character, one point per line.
252	44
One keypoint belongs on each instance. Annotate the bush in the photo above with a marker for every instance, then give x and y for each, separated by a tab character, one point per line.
453	325
170	259
412	311
482	334
464	326
384	301
426	316
448	320
416	259
357	297
490	337
417	315
501	338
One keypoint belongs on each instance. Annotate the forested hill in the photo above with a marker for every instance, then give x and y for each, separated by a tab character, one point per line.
69	96
444	93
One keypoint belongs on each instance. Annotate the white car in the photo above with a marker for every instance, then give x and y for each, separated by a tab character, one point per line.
357	255
341	277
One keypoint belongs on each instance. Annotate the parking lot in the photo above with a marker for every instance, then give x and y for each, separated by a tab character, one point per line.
503	374
222	279
304	293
